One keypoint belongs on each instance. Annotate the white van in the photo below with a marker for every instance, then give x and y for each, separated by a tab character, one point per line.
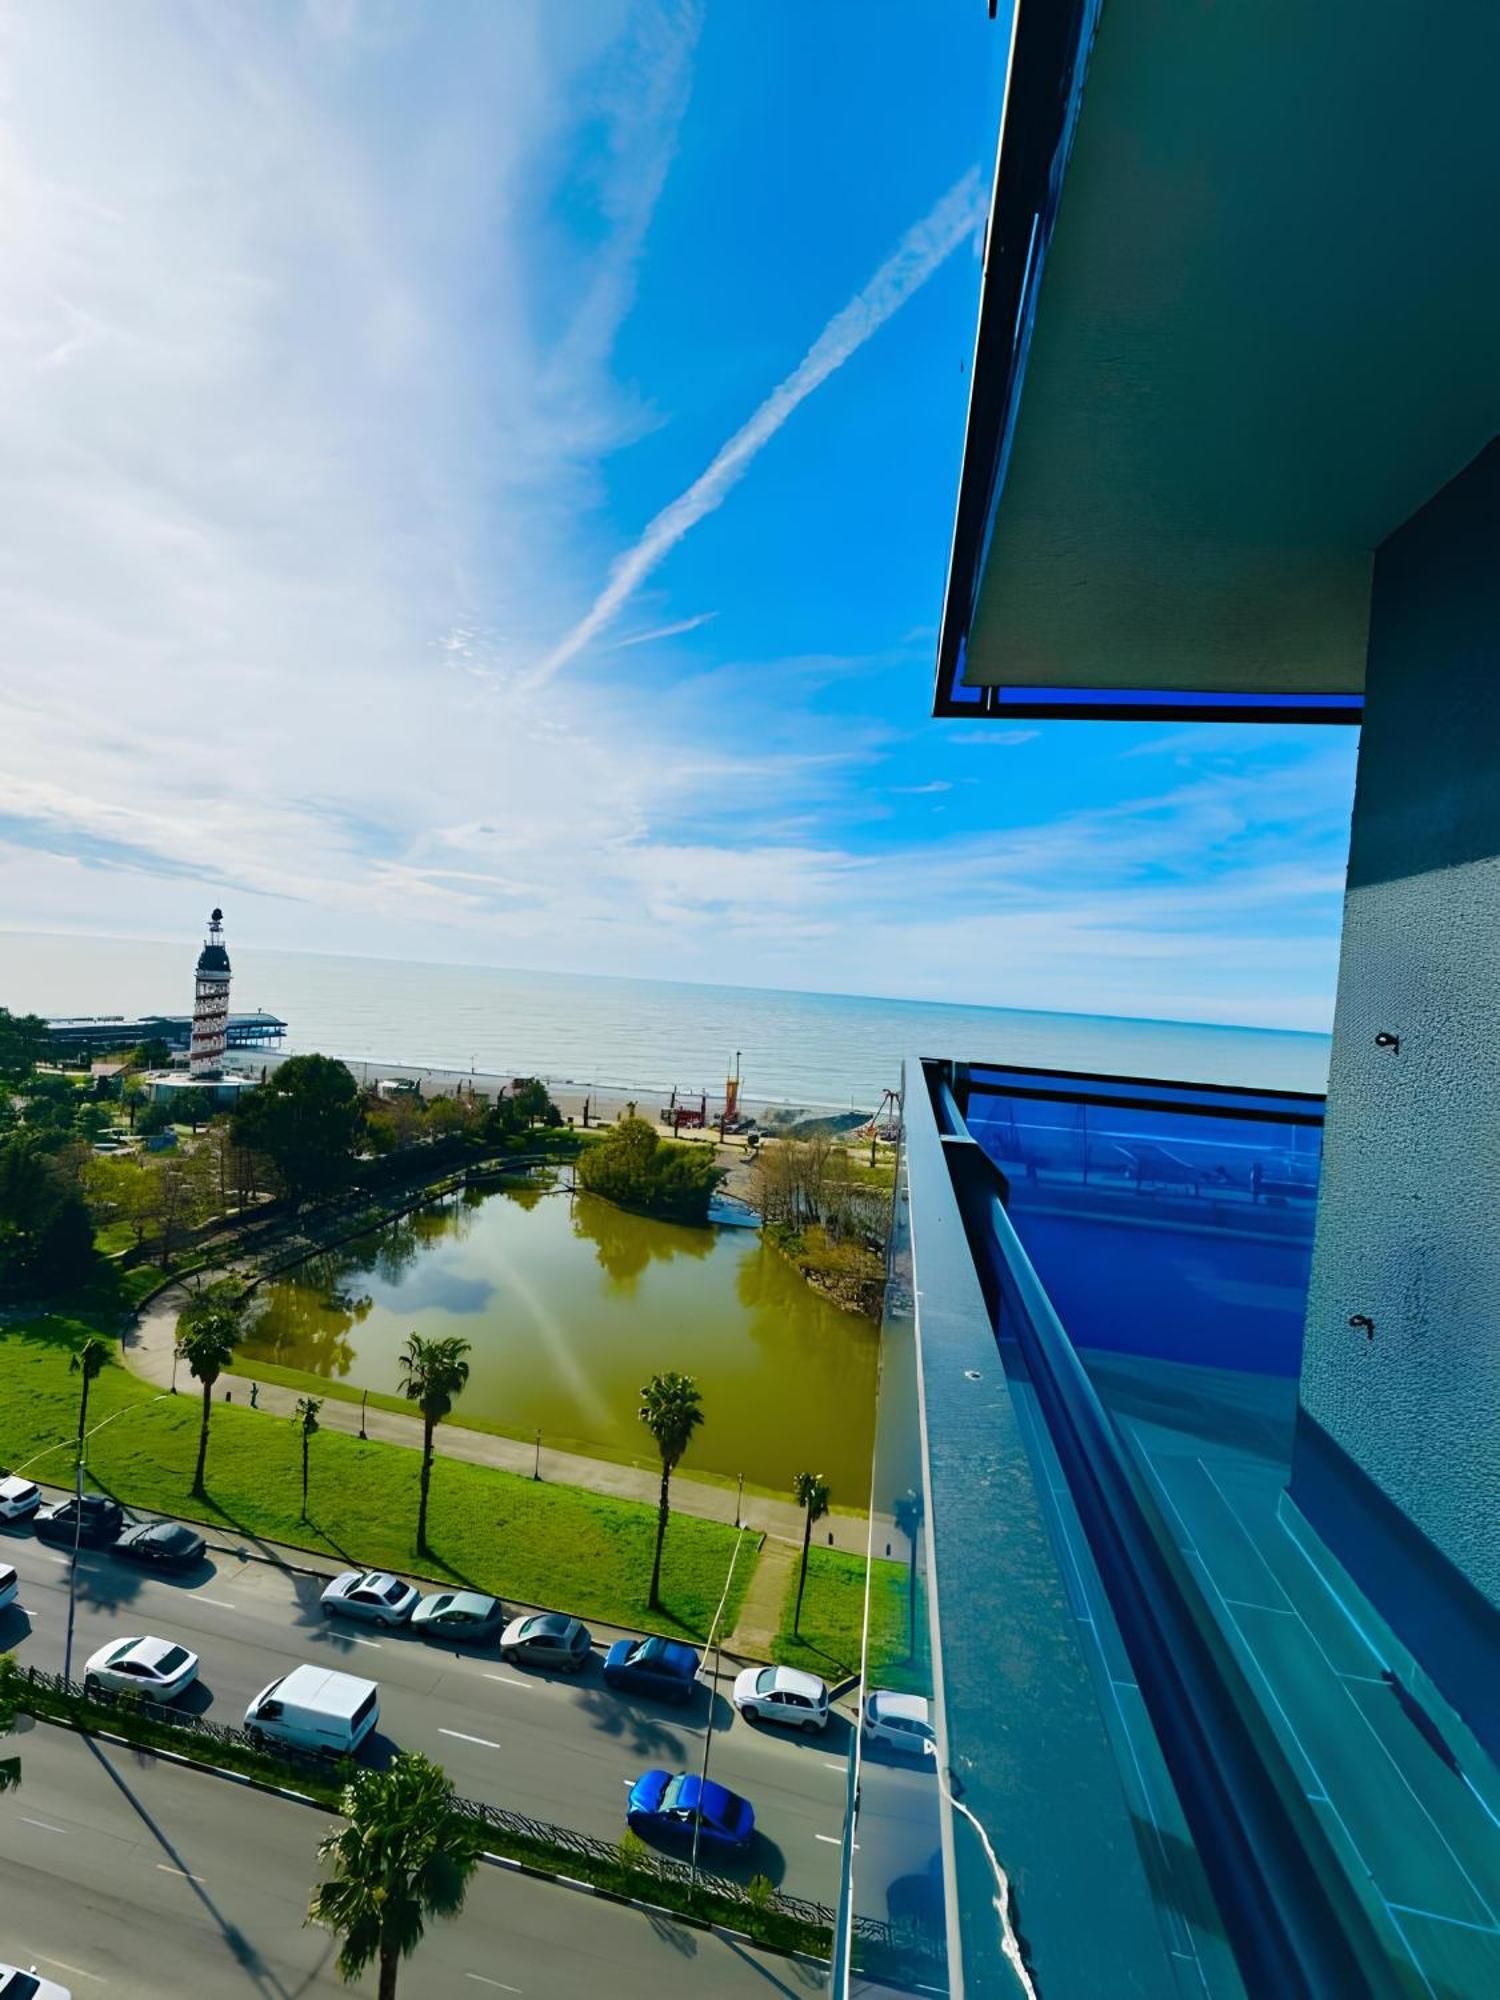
314	1708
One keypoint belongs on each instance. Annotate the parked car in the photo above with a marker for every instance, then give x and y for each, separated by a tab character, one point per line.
315	1708
547	1639
102	1521
160	1669
899	1722
10	1583
667	1808
18	1985
19	1500
371	1594
163	1544
664	1668
782	1694
466	1617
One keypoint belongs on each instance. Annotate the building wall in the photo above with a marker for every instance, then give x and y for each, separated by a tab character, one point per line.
1408	1230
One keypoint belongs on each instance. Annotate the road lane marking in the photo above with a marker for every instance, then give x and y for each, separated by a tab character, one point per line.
498	1984
355	1640
78	1971
167	1869
45	1824
834	1767
483	1741
510	1681
217	1602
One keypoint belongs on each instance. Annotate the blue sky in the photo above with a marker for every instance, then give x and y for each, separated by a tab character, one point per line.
478	488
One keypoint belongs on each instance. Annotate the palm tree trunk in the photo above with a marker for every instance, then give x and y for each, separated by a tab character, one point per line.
83	1408
304	1475
802	1579
422	1503
208	1390
663	1509
390	1962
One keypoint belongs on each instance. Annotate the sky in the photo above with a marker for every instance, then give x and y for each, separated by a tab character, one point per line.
478	484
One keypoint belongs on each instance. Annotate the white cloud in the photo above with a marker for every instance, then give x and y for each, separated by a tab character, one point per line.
924	248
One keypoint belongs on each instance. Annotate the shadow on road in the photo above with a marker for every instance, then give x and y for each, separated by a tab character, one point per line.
240	1948
648	1736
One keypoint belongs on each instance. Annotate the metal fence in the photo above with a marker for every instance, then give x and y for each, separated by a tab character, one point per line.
588	1847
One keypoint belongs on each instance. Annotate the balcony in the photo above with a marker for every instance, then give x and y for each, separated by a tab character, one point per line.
1177	1752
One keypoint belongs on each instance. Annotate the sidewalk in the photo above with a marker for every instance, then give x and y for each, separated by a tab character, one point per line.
148	1345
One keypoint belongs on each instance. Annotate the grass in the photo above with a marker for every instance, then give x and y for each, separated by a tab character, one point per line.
307	1384
535	1543
833	1614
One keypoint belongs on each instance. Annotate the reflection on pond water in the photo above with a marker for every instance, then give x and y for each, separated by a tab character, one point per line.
570	1304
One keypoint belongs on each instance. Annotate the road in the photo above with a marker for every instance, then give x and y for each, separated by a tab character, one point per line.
550	1746
129	1879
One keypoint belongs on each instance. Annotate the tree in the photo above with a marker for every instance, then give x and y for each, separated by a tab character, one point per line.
671	1410
433	1374
10	1677
635	1168
812	1492
132	1098
23	1043
533	1101
88	1362
46	1236
306	1420
405	1855
206	1337
153	1118
181	1196
306	1119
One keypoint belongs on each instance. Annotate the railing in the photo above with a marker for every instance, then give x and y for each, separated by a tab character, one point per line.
1295	1924
587	1847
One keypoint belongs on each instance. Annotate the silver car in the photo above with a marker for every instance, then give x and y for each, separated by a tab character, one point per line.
19	1499
373	1595
546	1639
159	1669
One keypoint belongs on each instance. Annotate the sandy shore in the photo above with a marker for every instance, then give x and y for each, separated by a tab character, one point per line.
606	1101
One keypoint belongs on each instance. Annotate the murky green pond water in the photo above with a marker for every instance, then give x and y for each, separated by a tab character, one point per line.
570	1304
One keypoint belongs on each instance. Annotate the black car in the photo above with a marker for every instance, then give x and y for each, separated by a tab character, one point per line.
164	1544
102	1521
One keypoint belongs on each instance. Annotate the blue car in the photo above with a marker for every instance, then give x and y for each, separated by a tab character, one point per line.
661	1667
665	1808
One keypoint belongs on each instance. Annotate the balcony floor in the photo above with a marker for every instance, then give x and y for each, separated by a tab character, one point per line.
1411	1802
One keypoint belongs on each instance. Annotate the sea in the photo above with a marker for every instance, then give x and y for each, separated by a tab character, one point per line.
826	1051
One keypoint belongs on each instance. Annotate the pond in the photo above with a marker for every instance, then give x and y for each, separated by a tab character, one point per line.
569	1304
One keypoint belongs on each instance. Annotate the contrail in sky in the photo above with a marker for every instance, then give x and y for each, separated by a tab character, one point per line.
919	253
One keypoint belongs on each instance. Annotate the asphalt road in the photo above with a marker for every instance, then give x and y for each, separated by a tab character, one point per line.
129	1879
550	1746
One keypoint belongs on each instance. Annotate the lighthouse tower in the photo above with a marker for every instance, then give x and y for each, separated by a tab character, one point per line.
210	1004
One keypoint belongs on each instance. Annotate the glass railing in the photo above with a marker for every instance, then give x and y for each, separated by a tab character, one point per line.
1104	1807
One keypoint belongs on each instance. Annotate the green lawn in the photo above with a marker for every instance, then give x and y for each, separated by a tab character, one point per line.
539	1544
833	1612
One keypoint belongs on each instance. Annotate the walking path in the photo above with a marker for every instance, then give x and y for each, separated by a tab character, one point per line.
149	1342
760	1614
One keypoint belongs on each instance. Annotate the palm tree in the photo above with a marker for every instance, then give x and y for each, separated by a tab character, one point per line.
812	1492
671	1411
206	1340
433	1373
404	1856
306	1420
89	1363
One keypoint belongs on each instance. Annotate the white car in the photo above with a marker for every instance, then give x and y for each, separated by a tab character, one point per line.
18	1985
160	1669
899	1722
10	1583
19	1500
784	1695
371	1594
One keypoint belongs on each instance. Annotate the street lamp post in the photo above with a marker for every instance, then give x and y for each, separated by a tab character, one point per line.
738	1497
73	1565
536	1470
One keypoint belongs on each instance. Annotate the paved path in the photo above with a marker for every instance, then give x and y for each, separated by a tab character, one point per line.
760	1614
148	1351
